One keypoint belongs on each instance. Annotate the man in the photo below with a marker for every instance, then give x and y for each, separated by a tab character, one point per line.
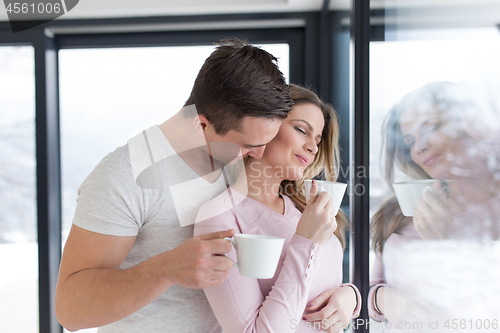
129	265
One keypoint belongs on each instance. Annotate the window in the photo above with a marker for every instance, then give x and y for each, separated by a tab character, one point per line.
18	231
453	111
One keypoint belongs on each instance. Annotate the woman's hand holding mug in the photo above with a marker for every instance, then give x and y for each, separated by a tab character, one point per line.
317	222
433	217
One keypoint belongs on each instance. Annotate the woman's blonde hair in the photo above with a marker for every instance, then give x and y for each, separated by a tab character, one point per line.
326	161
386	221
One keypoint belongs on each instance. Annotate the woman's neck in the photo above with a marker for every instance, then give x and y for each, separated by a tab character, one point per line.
264	183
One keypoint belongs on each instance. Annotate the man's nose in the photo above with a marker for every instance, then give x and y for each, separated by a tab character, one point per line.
257	152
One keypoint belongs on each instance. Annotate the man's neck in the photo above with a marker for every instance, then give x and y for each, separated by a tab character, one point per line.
190	146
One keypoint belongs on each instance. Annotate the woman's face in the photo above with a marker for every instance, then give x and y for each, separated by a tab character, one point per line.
437	142
296	143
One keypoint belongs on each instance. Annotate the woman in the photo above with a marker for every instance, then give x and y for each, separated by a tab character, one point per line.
306	294
426	138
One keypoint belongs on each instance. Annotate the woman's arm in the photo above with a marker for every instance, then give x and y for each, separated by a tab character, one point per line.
374	310
334	308
240	306
377	280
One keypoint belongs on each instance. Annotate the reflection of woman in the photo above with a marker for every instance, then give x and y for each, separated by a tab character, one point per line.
306	293
426	137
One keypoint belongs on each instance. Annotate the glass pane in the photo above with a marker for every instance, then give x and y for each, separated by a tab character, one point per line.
109	95
435	170
18	232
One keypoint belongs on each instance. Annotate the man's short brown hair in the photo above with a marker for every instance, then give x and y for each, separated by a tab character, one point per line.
239	80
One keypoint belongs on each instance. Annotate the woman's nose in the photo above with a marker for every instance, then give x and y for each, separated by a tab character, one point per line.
421	145
311	147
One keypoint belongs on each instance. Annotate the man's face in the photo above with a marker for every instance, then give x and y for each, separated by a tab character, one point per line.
252	137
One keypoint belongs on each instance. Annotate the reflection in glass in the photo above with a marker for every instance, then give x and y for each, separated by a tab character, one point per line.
436	197
18	243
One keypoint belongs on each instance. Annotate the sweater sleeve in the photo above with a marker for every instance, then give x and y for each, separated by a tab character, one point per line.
377	280
239	304
357	310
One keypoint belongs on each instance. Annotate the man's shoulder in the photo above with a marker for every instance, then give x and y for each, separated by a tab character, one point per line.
135	156
121	156
116	161
113	170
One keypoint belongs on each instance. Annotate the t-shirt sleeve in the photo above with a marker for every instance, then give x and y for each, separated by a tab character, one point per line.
239	304
109	201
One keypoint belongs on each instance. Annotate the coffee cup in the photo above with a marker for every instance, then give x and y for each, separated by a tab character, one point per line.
408	193
258	255
336	191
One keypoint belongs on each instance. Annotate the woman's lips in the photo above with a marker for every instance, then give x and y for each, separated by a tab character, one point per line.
430	160
303	160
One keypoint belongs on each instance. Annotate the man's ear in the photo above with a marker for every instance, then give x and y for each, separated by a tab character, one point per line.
201	123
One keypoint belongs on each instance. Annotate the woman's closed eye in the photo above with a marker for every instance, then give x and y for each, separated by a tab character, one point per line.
307	133
300	130
409	143
432	127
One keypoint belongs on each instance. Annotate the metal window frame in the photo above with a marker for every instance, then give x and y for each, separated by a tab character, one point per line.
360	151
48	170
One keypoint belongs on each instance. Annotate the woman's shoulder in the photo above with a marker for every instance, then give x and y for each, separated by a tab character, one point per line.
405	237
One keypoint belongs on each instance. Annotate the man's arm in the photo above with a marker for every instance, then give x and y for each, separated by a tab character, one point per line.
91	290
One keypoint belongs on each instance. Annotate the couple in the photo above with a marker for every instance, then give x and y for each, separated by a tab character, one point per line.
129	267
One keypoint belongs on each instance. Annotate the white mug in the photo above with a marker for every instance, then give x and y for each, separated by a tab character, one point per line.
334	189
258	255
409	192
